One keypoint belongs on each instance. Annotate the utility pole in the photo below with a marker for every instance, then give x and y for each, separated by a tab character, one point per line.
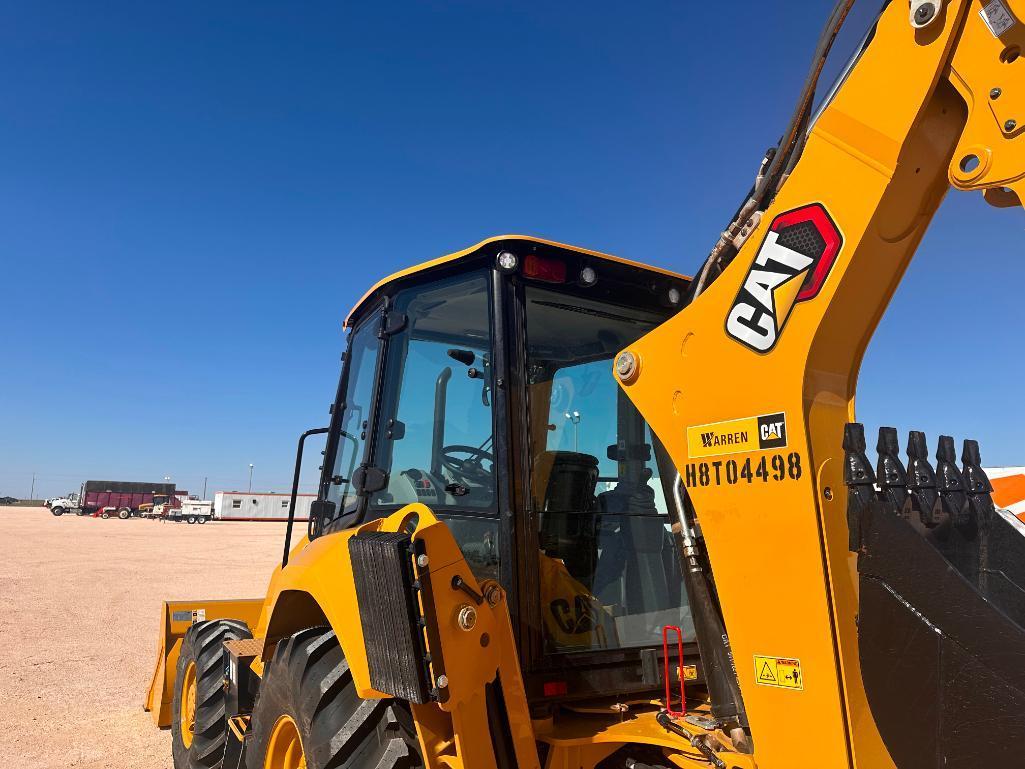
204	486
250	477
32	494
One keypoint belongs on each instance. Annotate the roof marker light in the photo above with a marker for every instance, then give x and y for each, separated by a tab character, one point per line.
555	688
548	270
507	261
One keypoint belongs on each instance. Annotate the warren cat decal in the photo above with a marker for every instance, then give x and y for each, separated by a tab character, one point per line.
737	436
792	264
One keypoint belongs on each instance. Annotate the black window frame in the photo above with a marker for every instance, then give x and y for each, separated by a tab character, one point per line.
501	411
588	673
376	313
391	384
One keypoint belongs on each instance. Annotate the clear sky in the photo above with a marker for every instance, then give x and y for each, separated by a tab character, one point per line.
192	195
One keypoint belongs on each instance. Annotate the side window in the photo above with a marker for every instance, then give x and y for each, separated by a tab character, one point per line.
362	364
584	418
609	572
284	503
236	504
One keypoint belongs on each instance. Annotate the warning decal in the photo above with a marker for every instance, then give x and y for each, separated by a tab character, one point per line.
780	672
997	17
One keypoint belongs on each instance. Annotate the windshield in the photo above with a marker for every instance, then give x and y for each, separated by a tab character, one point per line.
609	571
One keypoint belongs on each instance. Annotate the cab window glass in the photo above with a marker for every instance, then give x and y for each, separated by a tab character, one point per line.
359	391
609	569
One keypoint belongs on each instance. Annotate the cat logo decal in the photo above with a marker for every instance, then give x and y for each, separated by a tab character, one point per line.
791	265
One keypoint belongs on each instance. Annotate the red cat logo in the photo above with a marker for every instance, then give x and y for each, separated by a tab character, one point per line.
793	262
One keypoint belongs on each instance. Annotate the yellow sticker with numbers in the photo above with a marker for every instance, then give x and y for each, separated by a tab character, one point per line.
780	672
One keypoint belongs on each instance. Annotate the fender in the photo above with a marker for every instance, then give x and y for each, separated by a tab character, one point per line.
316	588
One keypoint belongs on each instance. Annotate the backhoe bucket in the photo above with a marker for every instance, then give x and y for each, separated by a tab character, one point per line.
178	617
940	640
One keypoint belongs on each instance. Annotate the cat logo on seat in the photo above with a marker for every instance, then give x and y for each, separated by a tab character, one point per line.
793	262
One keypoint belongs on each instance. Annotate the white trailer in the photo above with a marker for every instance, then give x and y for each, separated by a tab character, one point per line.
254	506
191	511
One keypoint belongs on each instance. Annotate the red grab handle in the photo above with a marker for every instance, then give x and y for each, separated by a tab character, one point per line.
679	670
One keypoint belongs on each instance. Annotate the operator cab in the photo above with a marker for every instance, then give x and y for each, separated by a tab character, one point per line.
481	385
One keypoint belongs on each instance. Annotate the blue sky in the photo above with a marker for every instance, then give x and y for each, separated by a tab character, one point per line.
193	195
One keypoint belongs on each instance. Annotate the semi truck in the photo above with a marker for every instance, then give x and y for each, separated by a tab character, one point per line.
105	499
65	501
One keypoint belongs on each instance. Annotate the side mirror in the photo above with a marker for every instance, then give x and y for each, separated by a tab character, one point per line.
466	357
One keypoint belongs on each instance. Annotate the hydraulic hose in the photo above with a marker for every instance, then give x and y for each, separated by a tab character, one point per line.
696	742
783	160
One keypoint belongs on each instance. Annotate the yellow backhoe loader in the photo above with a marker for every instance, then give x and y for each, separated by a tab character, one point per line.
580	513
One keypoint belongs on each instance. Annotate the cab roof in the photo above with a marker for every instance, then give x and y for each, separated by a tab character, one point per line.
475	250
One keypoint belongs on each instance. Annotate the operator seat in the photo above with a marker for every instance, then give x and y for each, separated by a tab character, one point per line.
635	569
563	488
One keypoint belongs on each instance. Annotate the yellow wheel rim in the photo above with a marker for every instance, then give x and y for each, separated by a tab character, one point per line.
188	711
285	749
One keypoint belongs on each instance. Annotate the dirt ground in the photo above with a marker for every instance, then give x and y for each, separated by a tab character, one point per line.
79	615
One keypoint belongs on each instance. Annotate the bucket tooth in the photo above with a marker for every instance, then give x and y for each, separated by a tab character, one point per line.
958	536
860	482
977	483
951	485
891	475
922	480
1001	568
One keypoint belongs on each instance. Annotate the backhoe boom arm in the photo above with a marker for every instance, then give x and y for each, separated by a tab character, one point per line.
750	386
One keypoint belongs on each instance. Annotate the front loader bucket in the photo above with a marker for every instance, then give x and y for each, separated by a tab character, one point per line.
178	617
942	655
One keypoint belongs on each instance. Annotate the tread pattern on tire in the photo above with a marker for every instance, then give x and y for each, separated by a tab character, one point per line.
204	643
309	679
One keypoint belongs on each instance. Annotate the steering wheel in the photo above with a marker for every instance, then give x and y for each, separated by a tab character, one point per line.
471	469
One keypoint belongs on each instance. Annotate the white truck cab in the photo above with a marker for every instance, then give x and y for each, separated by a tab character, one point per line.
60	505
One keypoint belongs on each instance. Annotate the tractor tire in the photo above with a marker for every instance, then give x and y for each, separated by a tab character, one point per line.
308	702
124	514
199	724
57	511
191	519
104	515
202	519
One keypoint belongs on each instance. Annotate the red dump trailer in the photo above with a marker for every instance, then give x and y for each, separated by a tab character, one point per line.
105	499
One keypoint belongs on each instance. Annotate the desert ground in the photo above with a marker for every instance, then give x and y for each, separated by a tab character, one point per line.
79	614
